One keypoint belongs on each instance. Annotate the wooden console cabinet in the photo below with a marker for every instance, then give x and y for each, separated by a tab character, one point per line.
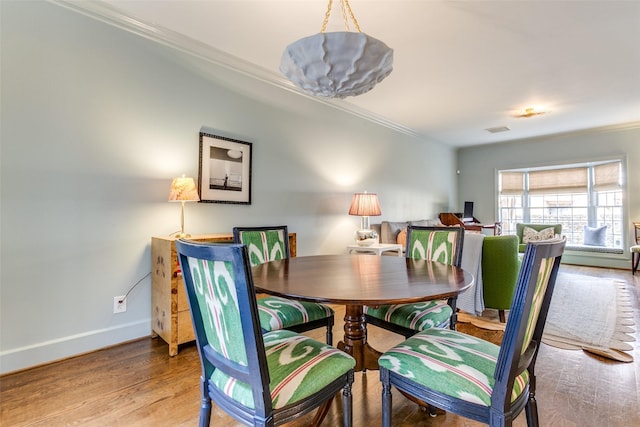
170	316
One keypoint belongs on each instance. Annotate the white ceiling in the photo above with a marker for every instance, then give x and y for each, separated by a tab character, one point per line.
460	66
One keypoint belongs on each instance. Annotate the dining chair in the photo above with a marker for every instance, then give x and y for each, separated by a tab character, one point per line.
472	377
260	379
442	244
271	244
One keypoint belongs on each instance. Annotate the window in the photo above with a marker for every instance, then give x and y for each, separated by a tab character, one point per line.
572	195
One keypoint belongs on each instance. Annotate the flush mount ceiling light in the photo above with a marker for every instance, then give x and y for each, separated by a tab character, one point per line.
529	112
337	64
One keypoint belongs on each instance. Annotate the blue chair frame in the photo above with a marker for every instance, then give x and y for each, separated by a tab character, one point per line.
256	372
512	360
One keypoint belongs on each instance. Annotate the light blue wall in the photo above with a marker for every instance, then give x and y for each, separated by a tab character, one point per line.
96	122
478	166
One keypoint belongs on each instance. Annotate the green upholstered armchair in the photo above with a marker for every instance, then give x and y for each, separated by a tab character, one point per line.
557	229
500	268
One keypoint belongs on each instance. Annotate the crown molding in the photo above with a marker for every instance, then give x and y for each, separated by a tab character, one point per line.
107	14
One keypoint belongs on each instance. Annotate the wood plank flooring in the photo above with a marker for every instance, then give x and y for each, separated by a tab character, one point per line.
138	384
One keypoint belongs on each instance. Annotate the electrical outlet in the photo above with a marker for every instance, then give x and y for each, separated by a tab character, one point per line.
119	307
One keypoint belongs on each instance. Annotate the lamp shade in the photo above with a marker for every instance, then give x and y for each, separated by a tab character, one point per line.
365	204
183	189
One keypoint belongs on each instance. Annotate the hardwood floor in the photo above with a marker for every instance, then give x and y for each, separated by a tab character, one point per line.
138	384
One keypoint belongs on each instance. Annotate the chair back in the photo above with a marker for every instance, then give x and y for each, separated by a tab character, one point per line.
500	269
223	307
441	244
523	332
263	243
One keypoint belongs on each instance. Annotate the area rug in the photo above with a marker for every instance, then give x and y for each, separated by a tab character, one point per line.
588	313
592	314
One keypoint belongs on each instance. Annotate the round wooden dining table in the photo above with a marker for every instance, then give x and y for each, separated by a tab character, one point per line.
356	281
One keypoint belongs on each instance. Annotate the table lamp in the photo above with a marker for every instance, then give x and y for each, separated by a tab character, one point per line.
182	190
365	205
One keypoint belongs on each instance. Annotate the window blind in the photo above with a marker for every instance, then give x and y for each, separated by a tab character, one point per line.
511	183
571	180
607	176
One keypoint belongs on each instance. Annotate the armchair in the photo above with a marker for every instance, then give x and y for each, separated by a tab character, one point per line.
500	267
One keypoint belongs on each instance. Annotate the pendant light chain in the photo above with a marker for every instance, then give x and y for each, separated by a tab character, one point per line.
344	5
353	17
326	17
344	16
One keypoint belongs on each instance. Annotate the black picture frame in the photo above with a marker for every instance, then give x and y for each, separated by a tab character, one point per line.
224	170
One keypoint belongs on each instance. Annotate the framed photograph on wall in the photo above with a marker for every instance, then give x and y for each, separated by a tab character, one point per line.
224	173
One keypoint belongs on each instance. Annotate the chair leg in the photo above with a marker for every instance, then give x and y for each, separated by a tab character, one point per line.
498	418
433	411
347	403
635	260
501	316
454	316
531	409
330	332
205	404
386	397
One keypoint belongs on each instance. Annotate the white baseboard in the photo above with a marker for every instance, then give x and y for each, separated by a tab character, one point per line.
50	351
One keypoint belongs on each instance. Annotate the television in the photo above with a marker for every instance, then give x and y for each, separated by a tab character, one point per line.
467	216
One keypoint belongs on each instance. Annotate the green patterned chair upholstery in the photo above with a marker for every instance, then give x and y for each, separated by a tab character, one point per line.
442	244
474	378
270	244
259	379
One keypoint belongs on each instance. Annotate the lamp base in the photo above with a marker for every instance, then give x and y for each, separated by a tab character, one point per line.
182	235
366	237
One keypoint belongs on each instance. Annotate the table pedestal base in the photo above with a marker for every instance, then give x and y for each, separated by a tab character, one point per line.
355	339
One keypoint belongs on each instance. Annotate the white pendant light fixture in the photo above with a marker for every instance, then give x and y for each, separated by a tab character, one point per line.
337	64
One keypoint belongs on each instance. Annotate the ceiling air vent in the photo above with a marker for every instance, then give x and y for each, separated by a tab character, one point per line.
498	129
